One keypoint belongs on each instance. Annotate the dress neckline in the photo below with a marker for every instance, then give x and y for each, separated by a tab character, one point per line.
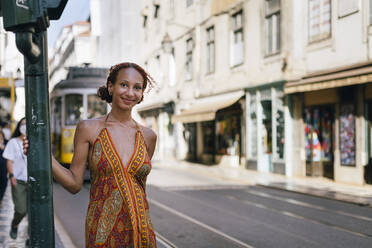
116	152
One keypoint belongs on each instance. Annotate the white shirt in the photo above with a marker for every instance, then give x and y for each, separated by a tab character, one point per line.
7	133
13	151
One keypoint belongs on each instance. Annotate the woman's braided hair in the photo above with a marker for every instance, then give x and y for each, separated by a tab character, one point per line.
103	92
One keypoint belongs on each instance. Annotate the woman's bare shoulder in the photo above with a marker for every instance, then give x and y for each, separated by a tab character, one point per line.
91	128
149	134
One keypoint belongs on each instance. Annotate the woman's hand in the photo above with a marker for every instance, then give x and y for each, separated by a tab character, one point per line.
25	145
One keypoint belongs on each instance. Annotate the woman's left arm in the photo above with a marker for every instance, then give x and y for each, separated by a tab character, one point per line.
150	138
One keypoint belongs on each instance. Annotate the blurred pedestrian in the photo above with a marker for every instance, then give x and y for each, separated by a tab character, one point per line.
7	132
118	151
17	170
3	169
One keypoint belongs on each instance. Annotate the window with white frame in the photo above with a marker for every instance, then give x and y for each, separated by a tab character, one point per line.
210	50
188	65
272	26
237	41
189	2
319	20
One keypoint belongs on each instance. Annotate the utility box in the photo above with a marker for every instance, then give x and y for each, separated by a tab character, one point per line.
21	14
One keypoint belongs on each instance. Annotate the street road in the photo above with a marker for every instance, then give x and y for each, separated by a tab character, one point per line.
217	214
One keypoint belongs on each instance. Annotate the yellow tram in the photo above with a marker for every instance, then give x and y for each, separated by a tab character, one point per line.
72	100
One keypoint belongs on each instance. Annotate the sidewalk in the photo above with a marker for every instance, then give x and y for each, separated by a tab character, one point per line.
322	187
6	214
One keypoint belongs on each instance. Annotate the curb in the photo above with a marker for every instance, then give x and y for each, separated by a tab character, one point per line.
361	202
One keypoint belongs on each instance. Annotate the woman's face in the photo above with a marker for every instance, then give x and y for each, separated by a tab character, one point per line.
22	127
128	89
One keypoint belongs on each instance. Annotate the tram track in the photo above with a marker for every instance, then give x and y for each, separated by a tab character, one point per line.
199	223
164	241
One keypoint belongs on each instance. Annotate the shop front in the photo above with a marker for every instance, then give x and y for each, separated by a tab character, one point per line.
319	132
228	135
265	128
158	118
335	124
212	129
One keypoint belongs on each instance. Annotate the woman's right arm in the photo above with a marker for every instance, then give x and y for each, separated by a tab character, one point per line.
72	179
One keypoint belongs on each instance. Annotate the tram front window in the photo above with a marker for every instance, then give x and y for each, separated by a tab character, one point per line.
96	107
74	109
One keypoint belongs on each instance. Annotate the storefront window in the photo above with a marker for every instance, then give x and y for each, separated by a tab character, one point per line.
228	135
74	109
279	128
318	133
253	126
327	135
189	135
267	127
96	107
347	134
317	148
269	122
208	137
307	120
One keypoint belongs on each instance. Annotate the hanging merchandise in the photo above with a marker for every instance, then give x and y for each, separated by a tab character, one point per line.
347	134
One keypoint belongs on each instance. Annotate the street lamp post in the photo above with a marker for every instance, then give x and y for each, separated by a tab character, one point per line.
29	20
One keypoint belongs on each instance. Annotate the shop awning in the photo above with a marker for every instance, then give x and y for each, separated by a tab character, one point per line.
339	77
150	106
204	109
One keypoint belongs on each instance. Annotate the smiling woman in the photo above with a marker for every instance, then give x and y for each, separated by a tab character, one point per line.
118	151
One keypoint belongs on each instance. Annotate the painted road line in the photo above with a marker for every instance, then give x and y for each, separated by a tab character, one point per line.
186	217
290	214
164	241
305	204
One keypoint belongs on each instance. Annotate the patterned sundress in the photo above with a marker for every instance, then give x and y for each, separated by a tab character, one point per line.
118	212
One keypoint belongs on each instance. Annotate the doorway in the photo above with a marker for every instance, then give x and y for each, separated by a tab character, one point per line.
319	137
190	137
368	167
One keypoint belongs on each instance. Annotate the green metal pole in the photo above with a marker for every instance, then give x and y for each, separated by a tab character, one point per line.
41	219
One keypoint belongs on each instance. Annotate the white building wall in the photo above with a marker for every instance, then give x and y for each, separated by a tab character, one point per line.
74	47
116	25
346	46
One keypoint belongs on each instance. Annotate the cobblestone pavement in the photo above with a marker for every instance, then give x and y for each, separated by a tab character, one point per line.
6	214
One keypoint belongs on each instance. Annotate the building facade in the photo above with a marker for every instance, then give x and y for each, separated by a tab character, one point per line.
12	96
331	101
278	86
75	46
115	28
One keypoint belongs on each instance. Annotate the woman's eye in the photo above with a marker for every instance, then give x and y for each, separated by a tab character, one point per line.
138	88
124	85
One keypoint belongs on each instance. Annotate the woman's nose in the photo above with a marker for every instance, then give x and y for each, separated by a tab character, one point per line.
130	91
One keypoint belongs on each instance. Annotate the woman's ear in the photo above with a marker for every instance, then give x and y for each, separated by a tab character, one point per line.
110	87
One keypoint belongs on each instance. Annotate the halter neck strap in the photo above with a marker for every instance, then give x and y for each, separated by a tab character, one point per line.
138	128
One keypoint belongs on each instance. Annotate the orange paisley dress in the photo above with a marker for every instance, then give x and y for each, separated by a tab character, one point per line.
118	211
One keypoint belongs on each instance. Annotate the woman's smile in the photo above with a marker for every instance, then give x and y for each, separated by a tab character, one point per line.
127	101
